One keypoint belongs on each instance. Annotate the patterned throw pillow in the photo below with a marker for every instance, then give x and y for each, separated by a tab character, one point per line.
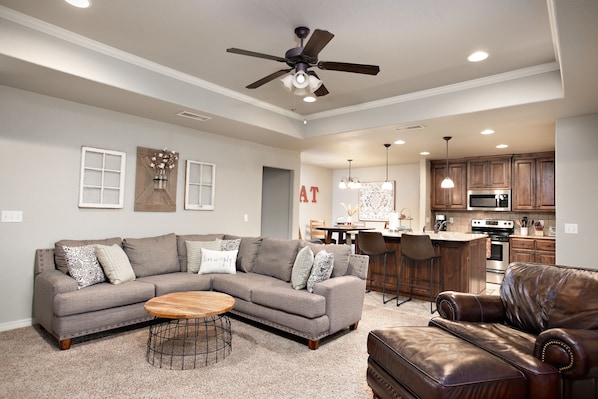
194	253
321	270
229	245
224	262
302	268
116	265
83	265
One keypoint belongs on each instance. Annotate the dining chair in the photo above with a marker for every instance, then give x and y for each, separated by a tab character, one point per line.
314	233
372	243
417	252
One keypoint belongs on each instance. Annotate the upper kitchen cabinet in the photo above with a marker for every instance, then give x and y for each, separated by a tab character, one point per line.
449	198
489	173
533	182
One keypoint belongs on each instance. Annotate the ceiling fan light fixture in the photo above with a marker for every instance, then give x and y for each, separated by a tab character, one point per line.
309	98
79	3
311	84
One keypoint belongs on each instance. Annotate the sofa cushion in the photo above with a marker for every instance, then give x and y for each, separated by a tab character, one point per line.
285	298
341	255
178	282
194	253
538	297
321	270
182	246
241	285
102	296
59	258
302	268
115	263
223	262
276	257
248	249
83	265
152	255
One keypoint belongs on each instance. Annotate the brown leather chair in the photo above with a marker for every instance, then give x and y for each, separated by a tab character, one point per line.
417	251
372	243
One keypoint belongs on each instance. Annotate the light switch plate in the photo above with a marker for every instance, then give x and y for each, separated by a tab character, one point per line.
12	217
571	228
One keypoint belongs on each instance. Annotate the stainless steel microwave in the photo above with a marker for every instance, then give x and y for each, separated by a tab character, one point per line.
489	200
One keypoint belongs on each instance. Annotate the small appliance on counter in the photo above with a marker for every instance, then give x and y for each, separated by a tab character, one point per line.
440	224
551	231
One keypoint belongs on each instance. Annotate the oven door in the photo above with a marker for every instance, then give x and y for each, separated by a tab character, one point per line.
497	262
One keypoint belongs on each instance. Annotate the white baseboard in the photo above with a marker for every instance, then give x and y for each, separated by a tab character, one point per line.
16	324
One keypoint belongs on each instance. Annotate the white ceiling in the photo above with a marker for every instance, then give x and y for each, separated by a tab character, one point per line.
155	58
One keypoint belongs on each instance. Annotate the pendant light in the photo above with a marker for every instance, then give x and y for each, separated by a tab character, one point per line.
447	182
349	182
386	185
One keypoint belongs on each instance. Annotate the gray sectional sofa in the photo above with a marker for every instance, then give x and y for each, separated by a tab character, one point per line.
261	285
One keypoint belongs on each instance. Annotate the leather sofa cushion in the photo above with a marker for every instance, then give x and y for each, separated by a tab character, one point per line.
152	255
433	364
538	297
102	296
276	257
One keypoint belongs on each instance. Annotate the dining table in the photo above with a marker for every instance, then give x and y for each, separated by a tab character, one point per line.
342	231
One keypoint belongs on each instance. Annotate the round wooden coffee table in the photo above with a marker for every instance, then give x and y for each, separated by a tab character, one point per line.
196	331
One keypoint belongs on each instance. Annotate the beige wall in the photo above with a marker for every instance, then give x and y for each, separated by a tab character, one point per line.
40	142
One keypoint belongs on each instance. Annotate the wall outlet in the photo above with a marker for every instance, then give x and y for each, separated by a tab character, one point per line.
12	217
451	220
245	217
571	228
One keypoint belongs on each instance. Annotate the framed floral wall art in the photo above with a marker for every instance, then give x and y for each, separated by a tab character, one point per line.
375	204
156	180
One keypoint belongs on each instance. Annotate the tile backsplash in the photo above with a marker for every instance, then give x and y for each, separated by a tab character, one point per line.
462	219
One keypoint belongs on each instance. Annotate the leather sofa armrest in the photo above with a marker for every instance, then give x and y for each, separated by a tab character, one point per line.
460	306
573	352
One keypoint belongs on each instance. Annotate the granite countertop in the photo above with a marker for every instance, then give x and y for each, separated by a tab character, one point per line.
440	236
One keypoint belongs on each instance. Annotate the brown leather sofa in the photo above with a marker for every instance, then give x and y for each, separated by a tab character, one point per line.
544	325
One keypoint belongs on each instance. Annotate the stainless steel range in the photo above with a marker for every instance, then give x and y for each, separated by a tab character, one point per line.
497	258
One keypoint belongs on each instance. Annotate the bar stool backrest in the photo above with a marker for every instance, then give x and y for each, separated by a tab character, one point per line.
371	243
415	246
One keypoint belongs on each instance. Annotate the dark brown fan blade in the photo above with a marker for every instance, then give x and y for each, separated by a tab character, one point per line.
322	90
254	54
347	67
318	40
268	78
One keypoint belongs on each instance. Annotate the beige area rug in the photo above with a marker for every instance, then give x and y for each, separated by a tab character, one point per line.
262	364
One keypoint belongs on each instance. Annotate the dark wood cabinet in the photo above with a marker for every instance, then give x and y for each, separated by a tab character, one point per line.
532	249
449	198
533	182
489	173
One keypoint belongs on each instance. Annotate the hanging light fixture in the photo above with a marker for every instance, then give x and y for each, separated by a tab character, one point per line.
349	182
386	185
447	182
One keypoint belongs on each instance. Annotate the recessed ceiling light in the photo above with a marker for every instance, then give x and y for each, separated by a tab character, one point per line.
424	153
399	142
477	56
502	146
487	131
309	99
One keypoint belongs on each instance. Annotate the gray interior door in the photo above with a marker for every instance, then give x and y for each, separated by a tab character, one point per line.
277	191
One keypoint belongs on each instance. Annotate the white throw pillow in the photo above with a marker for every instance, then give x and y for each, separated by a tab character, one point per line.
302	268
115	263
321	270
194	253
224	262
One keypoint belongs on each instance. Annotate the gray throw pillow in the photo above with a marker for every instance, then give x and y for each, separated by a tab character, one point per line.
115	263
248	249
302	268
321	270
152	255
275	258
83	265
182	246
341	256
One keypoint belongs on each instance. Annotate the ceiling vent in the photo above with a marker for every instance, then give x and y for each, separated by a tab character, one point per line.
409	128
191	115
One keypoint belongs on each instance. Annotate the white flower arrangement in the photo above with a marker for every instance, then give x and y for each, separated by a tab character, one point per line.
164	160
350	211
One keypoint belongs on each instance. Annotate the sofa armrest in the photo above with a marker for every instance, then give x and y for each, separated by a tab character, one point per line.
47	284
460	306
573	352
358	266
344	300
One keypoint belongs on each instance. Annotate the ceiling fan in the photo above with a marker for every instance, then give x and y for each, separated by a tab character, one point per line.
301	59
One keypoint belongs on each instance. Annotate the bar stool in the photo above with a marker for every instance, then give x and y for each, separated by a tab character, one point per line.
417	250
372	243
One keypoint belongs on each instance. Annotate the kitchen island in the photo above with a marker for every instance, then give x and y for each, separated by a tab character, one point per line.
463	264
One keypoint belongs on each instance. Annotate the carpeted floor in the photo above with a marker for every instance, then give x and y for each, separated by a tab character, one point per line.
262	364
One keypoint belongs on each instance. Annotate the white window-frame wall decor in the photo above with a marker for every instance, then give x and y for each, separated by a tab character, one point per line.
102	179
200	185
